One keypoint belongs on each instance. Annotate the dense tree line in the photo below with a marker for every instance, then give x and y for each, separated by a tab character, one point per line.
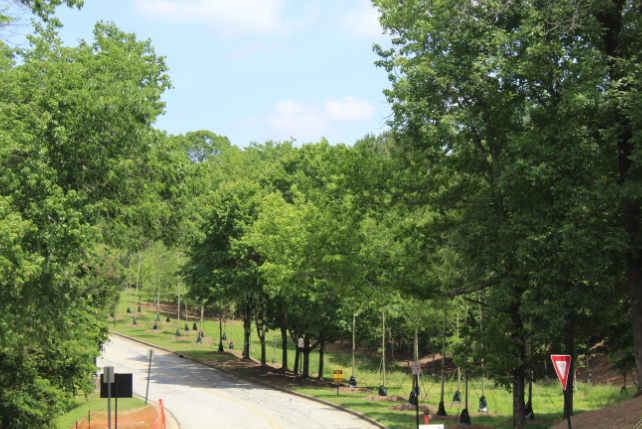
502	209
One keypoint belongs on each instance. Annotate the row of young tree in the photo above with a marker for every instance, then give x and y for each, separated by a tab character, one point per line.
510	181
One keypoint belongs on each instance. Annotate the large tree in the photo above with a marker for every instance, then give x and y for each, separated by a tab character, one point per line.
76	146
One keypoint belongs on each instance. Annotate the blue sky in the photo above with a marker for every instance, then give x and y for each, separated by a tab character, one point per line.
256	70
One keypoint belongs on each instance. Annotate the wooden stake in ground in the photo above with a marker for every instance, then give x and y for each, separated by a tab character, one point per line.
129	286
137	277
354	328
160	267
481	326
443	354
383	344
178	293
458	368
202	307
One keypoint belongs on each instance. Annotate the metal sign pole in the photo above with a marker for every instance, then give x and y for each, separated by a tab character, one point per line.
108	374
417	398
149	370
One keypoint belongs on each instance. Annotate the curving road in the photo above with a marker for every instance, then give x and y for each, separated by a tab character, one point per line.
200	397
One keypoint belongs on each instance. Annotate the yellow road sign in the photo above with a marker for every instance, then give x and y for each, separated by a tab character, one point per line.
338	376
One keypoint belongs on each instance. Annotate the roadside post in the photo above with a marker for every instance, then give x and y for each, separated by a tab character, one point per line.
338	378
416	371
121	387
562	365
108	373
150	354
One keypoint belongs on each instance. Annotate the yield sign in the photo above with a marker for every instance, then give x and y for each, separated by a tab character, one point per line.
562	364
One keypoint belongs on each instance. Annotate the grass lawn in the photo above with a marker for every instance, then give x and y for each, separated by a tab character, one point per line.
547	398
94	403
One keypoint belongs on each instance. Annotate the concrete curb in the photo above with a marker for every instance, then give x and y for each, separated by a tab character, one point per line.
249	380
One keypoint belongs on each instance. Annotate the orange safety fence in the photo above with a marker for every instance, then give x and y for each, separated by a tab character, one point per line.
151	416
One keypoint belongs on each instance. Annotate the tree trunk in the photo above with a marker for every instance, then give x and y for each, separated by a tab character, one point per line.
519	411
260	326
611	21
321	351
296	360
306	356
284	347
519	373
247	327
415	347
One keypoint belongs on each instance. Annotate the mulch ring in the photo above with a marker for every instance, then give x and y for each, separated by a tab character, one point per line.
534	421
406	407
478	426
343	389
386	398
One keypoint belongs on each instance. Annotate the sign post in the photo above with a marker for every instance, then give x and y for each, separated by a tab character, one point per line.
150	354
120	387
562	365
109	379
338	378
416	371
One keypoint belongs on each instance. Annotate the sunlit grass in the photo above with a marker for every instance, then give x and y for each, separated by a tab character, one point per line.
94	403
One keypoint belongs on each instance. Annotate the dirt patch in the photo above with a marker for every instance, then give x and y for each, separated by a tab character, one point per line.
386	398
406	407
131	325
343	389
535	421
623	415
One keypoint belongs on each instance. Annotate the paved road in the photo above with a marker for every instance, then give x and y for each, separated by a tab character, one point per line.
200	397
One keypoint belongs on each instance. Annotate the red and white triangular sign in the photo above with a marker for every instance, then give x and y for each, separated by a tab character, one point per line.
562	364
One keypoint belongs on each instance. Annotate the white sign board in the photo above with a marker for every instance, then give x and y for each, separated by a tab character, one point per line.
416	368
431	426
109	374
300	343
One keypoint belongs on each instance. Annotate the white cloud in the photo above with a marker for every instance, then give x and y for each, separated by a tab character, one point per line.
225	17
363	20
349	109
307	121
295	119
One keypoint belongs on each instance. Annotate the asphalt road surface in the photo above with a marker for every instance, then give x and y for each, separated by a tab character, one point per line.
200	397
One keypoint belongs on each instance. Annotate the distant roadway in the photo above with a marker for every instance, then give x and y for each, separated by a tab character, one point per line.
200	397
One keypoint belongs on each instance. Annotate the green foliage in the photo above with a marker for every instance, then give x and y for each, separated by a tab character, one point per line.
75	151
